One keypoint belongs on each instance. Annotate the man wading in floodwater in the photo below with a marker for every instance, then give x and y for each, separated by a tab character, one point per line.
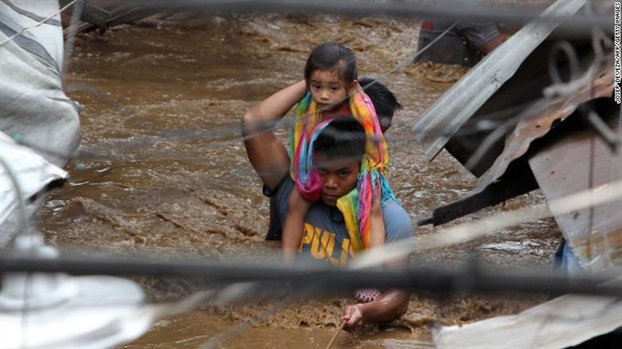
337	152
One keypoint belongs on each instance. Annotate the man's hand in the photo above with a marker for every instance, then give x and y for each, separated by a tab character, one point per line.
353	316
389	306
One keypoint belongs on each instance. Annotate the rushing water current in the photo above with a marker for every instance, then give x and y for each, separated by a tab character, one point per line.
165	171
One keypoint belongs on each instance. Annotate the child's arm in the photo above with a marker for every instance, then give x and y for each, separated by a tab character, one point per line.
376	225
297	208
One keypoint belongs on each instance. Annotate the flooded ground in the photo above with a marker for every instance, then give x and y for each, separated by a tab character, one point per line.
165	172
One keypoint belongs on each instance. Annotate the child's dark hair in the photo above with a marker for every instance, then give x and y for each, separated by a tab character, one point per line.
382	98
332	56
343	137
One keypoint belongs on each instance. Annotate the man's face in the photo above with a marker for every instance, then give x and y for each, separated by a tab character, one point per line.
327	89
339	177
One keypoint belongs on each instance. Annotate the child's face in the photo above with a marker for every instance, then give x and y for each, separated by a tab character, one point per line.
327	89
339	176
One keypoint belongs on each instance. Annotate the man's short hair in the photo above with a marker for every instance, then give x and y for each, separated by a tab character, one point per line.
343	137
382	98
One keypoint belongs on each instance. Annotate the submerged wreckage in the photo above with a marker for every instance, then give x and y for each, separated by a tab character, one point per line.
525	118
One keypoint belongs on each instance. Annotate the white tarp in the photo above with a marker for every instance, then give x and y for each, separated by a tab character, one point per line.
33	107
92	312
559	323
32	173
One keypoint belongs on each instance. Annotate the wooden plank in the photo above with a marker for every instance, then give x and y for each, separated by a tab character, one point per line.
563	168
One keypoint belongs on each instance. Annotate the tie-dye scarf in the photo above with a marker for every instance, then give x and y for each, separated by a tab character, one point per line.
371	183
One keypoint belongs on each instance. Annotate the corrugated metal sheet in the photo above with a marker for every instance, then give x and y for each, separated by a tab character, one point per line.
537	122
443	119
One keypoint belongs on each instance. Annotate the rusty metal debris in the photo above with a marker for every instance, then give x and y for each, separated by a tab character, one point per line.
560	142
524	165
567	140
509	174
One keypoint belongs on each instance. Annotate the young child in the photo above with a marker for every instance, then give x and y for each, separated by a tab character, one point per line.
330	74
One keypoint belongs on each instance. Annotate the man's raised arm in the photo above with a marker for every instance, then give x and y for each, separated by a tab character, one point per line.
265	151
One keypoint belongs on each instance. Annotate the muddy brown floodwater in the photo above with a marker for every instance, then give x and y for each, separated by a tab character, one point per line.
166	171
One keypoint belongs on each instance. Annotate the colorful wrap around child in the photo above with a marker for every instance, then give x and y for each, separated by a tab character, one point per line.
371	183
